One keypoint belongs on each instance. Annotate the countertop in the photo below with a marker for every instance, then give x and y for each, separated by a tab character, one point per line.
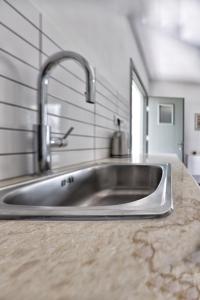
98	260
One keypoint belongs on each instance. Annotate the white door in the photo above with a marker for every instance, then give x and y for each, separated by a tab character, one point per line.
166	126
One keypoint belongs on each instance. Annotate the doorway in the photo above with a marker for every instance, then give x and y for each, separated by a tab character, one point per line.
137	120
166	126
139	117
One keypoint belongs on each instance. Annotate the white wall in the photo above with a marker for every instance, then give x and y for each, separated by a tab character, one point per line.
104	37
191	94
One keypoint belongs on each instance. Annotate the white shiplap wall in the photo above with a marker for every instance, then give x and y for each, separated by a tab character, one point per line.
27	39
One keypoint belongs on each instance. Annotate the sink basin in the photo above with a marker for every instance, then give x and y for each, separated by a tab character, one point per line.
98	191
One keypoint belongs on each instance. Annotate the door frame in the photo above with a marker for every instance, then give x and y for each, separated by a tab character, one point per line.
183	99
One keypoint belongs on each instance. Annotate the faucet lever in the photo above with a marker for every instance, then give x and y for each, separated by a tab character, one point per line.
60	142
67	133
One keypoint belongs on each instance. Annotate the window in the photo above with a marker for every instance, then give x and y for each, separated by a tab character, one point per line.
166	114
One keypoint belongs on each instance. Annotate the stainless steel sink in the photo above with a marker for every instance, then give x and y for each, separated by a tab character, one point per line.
99	191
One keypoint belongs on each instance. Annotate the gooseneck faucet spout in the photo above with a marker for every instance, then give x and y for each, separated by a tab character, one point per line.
45	142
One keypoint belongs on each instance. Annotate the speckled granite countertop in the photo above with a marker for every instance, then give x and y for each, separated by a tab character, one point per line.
99	260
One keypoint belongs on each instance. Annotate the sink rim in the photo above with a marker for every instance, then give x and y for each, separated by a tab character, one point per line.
158	203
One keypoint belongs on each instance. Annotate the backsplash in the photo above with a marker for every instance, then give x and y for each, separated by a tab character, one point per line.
28	38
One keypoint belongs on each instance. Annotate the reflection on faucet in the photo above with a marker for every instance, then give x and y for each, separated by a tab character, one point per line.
44	132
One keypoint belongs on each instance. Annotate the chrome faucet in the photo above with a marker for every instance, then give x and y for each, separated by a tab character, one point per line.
44	140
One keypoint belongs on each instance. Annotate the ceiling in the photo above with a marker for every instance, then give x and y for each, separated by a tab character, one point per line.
167	33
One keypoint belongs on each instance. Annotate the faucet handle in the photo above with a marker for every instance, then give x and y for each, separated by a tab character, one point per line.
60	142
67	133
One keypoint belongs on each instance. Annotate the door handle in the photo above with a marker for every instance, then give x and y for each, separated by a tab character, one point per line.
180	146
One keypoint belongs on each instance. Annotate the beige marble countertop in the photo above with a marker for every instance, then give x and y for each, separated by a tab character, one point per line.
99	260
